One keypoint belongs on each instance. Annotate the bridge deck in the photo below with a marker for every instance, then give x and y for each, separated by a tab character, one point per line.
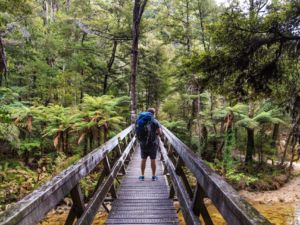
143	202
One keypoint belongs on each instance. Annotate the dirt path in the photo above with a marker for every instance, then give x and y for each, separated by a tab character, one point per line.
290	192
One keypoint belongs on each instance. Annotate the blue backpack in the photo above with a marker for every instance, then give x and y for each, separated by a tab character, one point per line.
144	128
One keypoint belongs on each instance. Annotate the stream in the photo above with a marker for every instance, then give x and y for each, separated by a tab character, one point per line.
277	213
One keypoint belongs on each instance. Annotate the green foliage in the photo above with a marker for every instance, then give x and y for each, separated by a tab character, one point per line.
29	146
236	176
67	86
250	46
229	145
178	127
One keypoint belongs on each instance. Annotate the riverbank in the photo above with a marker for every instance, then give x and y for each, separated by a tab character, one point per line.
288	193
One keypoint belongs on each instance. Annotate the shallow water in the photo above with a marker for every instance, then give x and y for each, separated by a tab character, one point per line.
277	213
59	219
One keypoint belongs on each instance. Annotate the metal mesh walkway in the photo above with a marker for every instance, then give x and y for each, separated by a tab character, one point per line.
143	202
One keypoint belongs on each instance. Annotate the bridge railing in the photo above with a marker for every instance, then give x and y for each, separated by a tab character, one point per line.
32	209
177	158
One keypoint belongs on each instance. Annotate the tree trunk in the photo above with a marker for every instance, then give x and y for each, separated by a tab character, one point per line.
105	130
68	5
192	117
67	143
62	142
134	60
187	28
294	142
275	135
250	145
286	147
3	65
99	136
91	137
85	148
250	136
291	133
53	9
46	12
138	10
199	127
201	19
109	66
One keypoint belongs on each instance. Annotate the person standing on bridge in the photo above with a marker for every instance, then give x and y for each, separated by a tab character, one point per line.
147	131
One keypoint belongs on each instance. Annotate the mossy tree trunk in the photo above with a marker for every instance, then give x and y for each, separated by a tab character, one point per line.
250	145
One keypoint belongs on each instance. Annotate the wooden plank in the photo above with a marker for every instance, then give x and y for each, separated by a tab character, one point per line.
142	221
230	204
179	188
108	169
147	198
77	206
199	206
133	202
144	215
32	208
119	153
180	172
171	223
142	211
98	198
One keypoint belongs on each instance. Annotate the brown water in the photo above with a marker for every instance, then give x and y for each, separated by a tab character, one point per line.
277	213
59	219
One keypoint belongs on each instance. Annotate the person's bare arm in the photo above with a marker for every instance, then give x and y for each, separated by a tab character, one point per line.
158	131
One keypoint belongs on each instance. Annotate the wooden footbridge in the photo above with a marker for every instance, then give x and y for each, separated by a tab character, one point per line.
133	201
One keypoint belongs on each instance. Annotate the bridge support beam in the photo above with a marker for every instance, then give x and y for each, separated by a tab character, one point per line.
199	206
78	205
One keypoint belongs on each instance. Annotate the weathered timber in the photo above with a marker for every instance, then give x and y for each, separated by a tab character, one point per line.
32	208
78	205
181	193
180	172
142	202
108	169
199	206
135	198
98	198
230	204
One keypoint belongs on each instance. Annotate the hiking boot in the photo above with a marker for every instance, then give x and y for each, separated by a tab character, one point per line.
154	178
141	178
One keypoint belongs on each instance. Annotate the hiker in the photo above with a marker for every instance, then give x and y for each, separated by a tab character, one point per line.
148	130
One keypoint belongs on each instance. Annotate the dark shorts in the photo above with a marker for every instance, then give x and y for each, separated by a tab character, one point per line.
149	151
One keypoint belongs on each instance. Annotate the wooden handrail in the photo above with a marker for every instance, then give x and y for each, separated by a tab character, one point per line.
32	208
182	194
230	204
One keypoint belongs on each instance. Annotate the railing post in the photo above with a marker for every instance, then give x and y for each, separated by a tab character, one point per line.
199	206
172	192
78	205
119	151
181	173
108	170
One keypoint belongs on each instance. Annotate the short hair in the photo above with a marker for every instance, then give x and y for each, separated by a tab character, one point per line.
152	110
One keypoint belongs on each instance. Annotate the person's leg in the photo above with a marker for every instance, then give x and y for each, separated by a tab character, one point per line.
153	162
144	156
143	166
153	167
